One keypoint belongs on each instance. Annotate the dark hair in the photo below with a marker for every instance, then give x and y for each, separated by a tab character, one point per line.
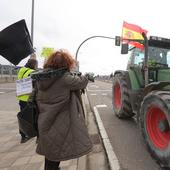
60	59
31	63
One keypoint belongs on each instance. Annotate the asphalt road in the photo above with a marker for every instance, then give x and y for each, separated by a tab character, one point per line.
124	135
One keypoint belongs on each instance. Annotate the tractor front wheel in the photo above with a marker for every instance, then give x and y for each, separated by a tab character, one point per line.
120	98
155	125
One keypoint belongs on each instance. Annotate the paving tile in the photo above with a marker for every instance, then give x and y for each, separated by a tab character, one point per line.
21	161
2	155
99	164
42	166
74	162
30	152
97	148
64	168
29	145
19	167
4	163
8	159
5	138
33	166
12	155
7	146
19	147
73	167
4	149
36	158
65	163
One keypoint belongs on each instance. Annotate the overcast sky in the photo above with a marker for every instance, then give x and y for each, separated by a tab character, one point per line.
66	23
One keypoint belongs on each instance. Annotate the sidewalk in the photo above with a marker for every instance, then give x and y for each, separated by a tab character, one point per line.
16	156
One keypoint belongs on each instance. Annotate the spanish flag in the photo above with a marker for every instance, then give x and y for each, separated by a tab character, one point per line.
132	31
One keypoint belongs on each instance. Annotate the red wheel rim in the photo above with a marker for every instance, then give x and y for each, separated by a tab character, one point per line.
117	96
153	116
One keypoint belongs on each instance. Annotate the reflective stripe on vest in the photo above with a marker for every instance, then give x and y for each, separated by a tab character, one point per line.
24	73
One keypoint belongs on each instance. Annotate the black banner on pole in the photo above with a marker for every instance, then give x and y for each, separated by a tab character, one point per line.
15	42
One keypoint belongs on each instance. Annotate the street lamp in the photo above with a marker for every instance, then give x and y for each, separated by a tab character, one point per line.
89	39
32	22
84	42
32	28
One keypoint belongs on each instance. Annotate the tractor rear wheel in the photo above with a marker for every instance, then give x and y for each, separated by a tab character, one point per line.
120	98
155	125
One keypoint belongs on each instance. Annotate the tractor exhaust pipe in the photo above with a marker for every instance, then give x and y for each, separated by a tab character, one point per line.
145	59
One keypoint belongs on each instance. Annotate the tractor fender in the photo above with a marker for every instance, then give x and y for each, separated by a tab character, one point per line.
155	86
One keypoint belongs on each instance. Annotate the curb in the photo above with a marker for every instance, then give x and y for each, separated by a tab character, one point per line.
112	158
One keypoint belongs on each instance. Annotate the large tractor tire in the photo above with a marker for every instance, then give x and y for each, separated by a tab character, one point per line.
154	123
120	98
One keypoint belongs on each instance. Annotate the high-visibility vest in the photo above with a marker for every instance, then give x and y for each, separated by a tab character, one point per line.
24	72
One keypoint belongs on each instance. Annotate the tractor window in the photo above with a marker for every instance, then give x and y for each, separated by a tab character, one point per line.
136	57
159	56
168	58
139	58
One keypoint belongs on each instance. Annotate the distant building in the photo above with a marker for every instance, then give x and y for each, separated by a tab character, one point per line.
8	69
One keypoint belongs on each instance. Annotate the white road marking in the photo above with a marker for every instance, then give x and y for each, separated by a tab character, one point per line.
113	161
93	94
97	90
102	105
7	88
104	94
1	92
94	86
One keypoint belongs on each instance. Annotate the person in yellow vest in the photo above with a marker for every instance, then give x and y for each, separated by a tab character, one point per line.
24	72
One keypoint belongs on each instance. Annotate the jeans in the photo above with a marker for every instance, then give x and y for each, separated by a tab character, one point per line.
51	165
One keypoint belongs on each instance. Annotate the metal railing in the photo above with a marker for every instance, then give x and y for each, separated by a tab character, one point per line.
8	70
8	73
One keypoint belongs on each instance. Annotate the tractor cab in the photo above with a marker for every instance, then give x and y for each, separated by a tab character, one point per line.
158	62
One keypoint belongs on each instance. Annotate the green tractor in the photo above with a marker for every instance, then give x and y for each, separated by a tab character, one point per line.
143	91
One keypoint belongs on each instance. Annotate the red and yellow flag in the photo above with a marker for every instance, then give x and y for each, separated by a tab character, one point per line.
132	31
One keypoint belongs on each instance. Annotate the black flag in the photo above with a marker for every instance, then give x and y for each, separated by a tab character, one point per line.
15	42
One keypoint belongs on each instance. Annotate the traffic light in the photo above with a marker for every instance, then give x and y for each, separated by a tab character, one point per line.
117	40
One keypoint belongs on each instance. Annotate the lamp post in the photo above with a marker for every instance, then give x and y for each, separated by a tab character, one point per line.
84	42
32	22
97	36
32	29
